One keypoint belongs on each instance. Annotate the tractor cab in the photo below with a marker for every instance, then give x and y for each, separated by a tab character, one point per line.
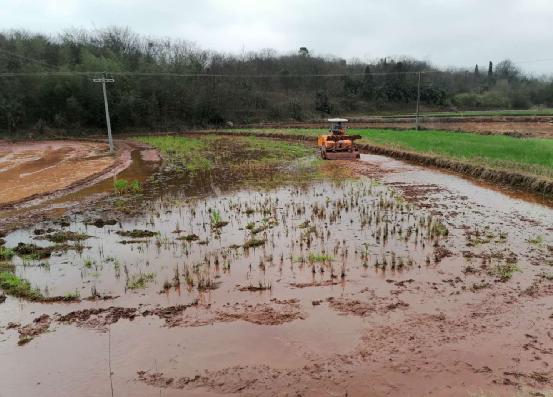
337	145
338	126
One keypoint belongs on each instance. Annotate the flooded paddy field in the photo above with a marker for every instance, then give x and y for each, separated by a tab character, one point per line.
248	267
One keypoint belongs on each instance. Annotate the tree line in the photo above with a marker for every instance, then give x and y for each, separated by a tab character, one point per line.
166	84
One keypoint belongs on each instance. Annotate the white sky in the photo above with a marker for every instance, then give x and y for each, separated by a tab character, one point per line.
444	32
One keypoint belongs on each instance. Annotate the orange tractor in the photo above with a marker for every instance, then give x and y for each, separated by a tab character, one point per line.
338	145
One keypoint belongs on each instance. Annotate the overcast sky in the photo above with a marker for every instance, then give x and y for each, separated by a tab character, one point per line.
444	32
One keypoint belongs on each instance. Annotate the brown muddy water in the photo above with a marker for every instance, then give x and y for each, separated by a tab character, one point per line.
390	282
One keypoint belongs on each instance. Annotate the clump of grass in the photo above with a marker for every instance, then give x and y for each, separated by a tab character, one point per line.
64	236
439	229
216	220
259	229
6	253
88	263
34	252
122	186
536	240
139	281
259	287
205	282
253	242
19	287
319	257
135	186
504	272
189	237
136	233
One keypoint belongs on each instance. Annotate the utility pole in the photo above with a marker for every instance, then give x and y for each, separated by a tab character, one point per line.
105	80
418	101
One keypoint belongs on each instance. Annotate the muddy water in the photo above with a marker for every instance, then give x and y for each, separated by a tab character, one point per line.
382	283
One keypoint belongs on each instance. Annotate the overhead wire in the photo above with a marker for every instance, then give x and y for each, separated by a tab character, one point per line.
203	75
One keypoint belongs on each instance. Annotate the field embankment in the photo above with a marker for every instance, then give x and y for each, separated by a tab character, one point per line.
521	163
522	125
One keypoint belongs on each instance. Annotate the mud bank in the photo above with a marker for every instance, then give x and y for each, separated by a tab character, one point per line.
133	161
34	171
515	180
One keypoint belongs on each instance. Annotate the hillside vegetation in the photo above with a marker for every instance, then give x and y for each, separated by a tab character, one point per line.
46	82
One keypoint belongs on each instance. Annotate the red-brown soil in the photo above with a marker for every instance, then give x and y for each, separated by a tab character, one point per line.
33	169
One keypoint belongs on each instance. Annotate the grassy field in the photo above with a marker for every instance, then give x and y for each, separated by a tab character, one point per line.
532	156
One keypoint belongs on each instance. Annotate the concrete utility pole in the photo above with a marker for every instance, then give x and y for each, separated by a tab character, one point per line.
105	80
418	101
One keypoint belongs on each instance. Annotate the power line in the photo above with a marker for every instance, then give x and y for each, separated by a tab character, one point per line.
206	75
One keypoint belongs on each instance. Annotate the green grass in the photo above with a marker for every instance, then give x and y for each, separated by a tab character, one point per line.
6	253
207	152
536	240
139	281
21	288
183	150
215	217
533	156
122	186
504	271
319	257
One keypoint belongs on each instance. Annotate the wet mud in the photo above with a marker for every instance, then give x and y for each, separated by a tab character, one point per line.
130	163
33	170
375	277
